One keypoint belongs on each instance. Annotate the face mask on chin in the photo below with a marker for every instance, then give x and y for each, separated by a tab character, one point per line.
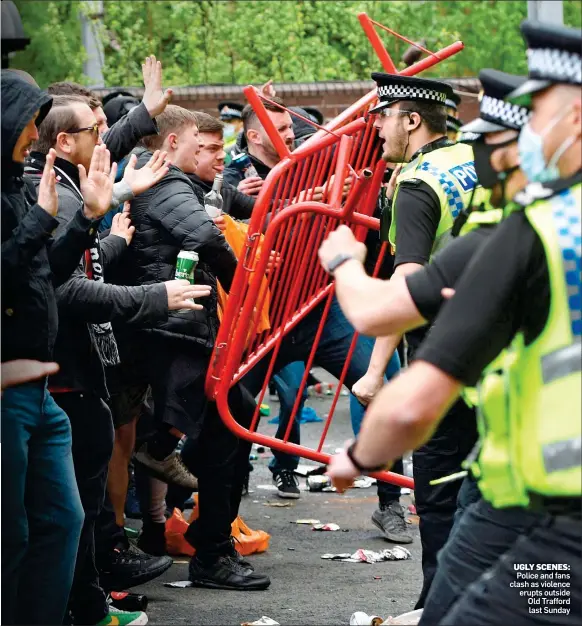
531	152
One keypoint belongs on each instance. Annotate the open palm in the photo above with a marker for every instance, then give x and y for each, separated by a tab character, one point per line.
97	186
146	177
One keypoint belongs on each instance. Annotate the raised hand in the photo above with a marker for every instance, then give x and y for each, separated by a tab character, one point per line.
268	90
154	97
181	294
48	198
146	177
97	186
121	224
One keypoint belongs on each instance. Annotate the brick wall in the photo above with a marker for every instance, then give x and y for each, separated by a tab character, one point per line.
330	97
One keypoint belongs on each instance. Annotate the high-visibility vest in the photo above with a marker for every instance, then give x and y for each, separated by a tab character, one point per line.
530	402
450	173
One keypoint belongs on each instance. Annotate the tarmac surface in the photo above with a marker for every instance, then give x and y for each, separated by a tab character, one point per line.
305	589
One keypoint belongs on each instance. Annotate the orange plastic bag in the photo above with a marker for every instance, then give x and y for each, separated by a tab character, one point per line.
236	235
247	541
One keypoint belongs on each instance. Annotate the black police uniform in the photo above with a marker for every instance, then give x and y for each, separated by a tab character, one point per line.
506	289
419	214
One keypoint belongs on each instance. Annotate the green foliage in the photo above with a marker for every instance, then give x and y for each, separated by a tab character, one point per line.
242	41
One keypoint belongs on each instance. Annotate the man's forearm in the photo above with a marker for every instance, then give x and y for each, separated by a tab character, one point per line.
404	414
375	307
382	353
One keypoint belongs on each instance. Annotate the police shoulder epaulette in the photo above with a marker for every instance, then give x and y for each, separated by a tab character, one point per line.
412	182
532	193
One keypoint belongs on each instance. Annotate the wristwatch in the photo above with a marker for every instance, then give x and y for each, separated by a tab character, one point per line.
338	260
361	468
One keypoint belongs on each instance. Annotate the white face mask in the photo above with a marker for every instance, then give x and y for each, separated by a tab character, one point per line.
229	131
531	152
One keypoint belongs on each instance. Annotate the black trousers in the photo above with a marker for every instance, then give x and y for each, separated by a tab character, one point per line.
213	453
436	504
92	428
443	455
478	580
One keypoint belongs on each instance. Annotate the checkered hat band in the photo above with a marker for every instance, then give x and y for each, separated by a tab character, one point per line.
555	65
504	113
388	92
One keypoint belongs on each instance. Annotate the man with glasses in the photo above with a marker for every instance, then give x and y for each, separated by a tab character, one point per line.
435	182
85	341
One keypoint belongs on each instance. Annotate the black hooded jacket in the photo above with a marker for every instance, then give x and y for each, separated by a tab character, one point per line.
169	218
33	263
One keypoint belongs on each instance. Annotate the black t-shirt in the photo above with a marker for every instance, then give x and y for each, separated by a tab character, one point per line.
444	270
505	289
418	212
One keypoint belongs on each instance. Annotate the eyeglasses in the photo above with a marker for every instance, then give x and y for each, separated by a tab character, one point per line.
94	129
391	112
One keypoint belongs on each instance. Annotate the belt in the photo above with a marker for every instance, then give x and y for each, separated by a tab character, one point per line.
569	506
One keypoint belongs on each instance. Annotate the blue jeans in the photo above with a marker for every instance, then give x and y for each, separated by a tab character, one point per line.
387	492
287	382
330	355
43	515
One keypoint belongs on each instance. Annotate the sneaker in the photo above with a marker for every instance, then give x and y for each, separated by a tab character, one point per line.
389	518
237	556
287	484
129	566
170	470
225	573
153	538
117	617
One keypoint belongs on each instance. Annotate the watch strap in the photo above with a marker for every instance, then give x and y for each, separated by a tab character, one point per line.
358	466
338	260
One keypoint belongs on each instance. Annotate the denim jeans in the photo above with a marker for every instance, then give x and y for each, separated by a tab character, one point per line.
43	515
331	353
387	493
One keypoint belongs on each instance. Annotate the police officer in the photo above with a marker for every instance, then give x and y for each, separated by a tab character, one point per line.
453	121
436	183
522	291
406	303
231	114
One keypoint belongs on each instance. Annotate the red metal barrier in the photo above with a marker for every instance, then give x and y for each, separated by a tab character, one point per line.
302	200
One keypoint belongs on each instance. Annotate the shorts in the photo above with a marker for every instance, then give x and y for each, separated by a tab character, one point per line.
127	403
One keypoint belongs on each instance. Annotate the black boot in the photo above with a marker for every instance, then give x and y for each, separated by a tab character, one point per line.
226	572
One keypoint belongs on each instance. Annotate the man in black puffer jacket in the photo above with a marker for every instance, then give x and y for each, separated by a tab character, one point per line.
169	218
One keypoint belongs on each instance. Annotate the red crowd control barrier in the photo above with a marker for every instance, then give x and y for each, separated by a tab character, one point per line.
333	178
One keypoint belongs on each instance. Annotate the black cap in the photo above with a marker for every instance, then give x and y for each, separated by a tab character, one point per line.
393	87
315	113
117	105
554	55
495	114
454	101
230	110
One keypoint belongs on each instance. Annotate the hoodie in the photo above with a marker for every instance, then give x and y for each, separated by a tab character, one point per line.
33	263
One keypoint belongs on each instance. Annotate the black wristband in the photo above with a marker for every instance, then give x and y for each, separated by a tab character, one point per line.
338	260
361	468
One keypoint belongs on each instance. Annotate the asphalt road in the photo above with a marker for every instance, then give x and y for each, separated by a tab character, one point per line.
305	589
